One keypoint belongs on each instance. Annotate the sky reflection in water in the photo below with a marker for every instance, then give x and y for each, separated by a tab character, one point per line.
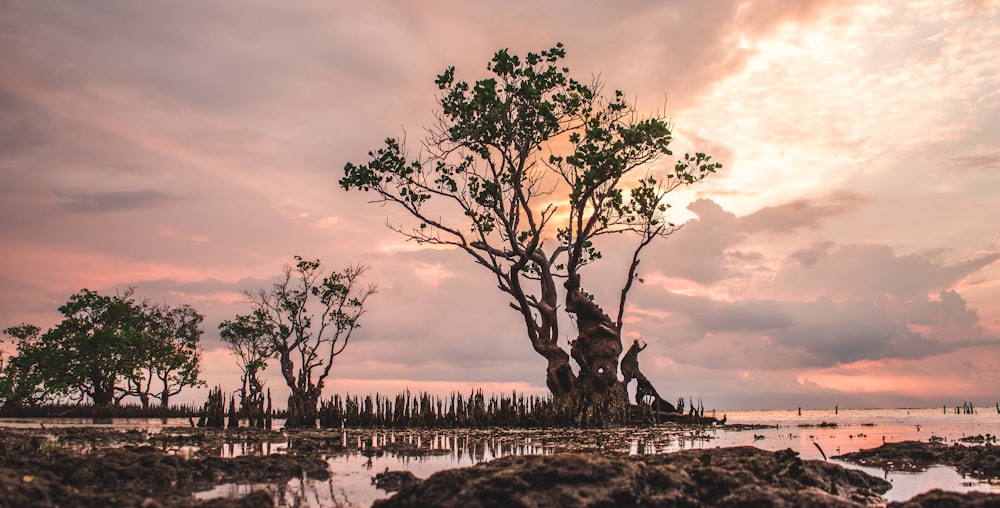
350	484
425	452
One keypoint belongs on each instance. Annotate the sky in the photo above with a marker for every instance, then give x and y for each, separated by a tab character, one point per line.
847	254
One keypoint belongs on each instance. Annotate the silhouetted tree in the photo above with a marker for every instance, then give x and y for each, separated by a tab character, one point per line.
21	382
96	346
248	338
107	348
306	341
524	171
169	353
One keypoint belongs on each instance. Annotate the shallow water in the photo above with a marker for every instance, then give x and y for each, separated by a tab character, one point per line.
778	429
425	452
858	429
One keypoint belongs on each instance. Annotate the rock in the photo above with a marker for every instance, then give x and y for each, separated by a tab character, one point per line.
938	498
392	481
133	475
742	476
981	462
255	499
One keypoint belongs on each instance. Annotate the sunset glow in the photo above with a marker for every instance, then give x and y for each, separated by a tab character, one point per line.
847	253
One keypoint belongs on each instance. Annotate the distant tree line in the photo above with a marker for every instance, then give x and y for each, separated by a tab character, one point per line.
106	348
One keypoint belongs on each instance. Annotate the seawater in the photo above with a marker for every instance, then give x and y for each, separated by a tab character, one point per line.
858	429
855	429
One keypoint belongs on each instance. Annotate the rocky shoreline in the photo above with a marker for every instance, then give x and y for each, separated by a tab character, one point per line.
86	467
737	476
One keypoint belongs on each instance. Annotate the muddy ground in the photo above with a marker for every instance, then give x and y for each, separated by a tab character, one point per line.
82	467
738	476
89	467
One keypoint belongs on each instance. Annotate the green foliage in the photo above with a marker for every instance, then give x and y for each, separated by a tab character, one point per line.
94	347
106	348
529	155
249	339
483	159
247	336
20	378
170	352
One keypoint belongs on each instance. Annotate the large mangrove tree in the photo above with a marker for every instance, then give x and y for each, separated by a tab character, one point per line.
524	171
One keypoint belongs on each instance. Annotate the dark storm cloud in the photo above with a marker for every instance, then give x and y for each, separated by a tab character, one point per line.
711	316
950	309
698	251
772	334
829	304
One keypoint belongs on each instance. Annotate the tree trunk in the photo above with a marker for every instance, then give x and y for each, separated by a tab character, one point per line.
645	393
559	375
302	411
599	396
103	393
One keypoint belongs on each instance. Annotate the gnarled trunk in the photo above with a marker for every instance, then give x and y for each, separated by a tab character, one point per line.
599	395
645	393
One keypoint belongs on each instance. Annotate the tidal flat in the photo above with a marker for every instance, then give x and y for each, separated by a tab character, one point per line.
167	463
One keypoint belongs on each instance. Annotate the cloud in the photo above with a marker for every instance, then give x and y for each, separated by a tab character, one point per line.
111	201
801	213
808	256
990	161
773	334
702	251
698	251
868	271
830	333
195	147
822	305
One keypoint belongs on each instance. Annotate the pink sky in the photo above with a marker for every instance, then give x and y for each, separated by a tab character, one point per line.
846	255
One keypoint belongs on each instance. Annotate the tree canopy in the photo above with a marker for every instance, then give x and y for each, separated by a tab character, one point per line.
106	348
524	171
306	319
248	337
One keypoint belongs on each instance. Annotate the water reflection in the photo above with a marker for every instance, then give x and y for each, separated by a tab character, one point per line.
354	456
906	485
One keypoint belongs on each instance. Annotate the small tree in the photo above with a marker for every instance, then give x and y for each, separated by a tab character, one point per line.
98	344
21	382
304	341
169	353
248	338
524	171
